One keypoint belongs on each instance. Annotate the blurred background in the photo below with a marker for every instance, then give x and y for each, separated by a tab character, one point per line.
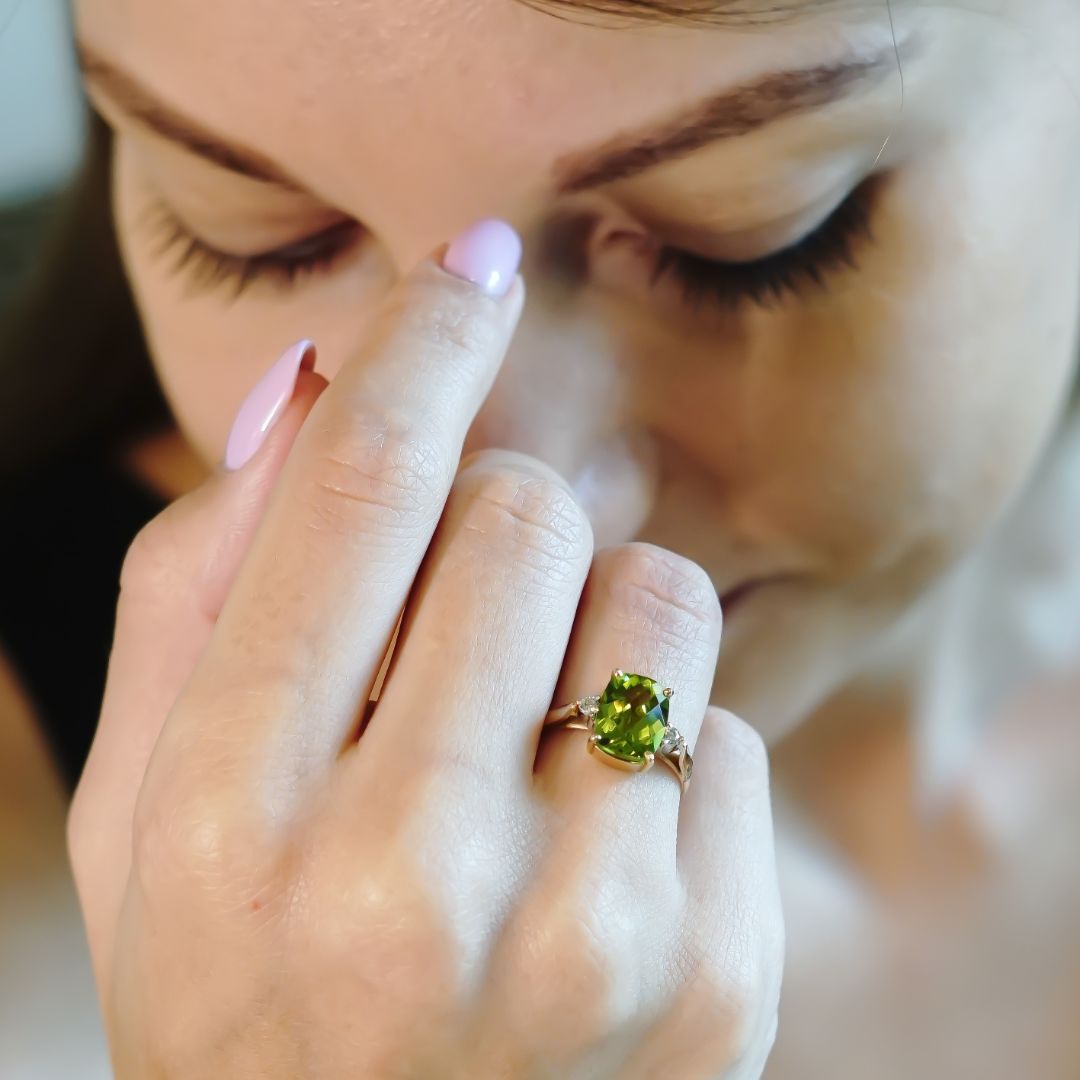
49	1022
43	126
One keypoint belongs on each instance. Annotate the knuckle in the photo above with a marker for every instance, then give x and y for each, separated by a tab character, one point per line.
381	470
724	1010
376	909
651	587
520	513
181	840
572	965
80	832
732	1009
152	559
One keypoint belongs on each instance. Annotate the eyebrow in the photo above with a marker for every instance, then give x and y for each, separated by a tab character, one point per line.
730	114
128	94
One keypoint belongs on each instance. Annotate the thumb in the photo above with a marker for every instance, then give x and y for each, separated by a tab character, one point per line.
176	575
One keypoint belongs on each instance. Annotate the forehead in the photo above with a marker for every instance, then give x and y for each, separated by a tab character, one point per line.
362	97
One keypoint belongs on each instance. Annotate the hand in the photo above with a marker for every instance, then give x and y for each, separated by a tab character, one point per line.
448	895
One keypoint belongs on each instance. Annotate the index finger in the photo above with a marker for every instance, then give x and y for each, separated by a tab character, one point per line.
317	597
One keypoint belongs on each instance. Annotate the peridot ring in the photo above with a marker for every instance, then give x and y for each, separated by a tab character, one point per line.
628	725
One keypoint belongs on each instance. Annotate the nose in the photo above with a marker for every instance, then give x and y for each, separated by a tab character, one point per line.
563	395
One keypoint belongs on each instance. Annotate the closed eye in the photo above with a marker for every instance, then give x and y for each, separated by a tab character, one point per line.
810	262
206	268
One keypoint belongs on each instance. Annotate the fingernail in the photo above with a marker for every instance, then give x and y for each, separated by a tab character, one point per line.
265	403
487	254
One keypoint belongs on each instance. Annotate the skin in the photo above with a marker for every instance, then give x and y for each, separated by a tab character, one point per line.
838	441
268	894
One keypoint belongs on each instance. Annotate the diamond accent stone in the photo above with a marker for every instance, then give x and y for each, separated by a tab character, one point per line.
673	741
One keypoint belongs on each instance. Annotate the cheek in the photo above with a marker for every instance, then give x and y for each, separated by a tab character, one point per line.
889	461
202	377
882	430
905	446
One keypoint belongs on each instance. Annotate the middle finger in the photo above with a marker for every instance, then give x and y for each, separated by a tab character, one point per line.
485	633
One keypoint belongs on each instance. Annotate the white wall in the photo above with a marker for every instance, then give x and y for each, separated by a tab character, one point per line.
41	111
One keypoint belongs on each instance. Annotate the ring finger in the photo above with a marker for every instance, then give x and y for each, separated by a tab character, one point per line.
648	612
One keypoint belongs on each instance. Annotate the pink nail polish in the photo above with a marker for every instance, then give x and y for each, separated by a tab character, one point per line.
265	403
487	254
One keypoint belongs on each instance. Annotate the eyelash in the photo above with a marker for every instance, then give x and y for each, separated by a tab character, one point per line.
207	268
764	282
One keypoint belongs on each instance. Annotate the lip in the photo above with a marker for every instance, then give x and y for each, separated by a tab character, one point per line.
735	596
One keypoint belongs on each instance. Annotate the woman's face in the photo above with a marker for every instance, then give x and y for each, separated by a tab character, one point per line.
845	416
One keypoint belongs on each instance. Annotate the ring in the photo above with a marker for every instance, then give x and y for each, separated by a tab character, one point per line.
628	725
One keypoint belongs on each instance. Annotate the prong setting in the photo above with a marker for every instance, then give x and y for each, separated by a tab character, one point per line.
627	725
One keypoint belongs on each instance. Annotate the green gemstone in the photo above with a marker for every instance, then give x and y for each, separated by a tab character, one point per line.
631	717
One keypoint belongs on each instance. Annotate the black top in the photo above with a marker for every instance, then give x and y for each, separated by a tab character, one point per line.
65	526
